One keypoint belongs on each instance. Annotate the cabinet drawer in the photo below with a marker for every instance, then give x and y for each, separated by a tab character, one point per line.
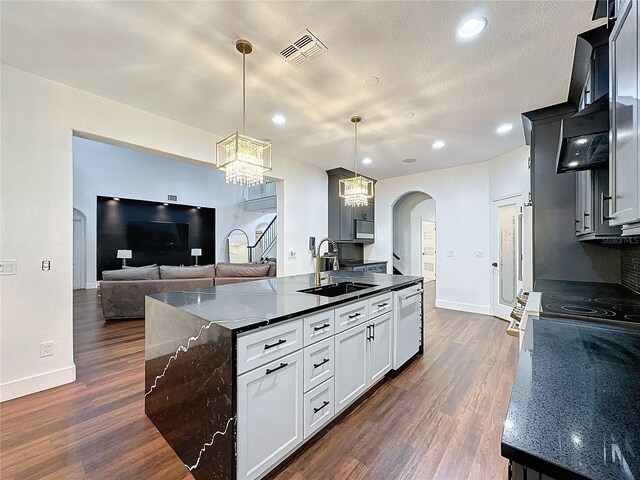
267	344
351	315
372	268
318	363
318	327
380	304
318	408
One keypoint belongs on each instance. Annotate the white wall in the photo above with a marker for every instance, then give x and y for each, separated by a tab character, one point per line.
463	210
408	212
38	118
100	169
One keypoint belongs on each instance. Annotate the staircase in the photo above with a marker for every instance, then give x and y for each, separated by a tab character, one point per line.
264	244
261	197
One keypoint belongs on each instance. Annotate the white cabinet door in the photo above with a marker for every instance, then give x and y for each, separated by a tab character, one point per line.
623	150
270	414
350	367
407	315
380	348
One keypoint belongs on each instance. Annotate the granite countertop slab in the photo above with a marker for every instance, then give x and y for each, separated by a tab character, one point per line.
586	289
245	306
574	411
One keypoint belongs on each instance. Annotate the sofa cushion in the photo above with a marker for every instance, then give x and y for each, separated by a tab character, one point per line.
229	280
241	270
141	266
148	273
195	271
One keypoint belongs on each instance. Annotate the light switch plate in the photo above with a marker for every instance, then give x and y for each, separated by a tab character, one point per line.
8	267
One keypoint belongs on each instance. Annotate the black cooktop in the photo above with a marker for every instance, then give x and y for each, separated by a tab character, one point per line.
585	300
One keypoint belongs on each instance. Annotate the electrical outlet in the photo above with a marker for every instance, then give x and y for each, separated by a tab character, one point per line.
46	349
8	267
451	253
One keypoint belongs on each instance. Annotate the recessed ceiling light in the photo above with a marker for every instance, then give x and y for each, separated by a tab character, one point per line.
504	128
582	141
472	27
366	161
278	119
408	115
437	145
371	81
409	160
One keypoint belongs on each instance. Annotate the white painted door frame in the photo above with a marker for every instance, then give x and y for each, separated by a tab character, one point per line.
79	267
498	309
425	254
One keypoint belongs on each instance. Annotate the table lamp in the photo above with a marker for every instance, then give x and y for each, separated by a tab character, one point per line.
124	254
196	252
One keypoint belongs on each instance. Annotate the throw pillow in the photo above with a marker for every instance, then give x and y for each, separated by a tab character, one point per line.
195	271
149	273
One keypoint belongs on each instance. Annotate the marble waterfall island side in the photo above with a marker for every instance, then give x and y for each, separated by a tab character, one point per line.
191	357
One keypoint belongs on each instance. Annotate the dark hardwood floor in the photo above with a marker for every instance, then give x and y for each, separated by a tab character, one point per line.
441	418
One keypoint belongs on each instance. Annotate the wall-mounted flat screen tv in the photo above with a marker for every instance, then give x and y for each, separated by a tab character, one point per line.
158	236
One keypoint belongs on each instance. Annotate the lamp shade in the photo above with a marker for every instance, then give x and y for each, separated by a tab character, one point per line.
196	252
124	254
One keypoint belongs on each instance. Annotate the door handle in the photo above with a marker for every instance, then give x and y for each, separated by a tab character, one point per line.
417	292
494	264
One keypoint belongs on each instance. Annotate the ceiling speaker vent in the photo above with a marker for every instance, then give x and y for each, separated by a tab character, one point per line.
305	48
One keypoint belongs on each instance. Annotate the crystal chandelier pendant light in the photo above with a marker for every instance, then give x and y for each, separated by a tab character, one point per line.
356	190
243	159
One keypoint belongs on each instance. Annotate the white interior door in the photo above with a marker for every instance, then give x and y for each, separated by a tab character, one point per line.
78	253
428	235
505	255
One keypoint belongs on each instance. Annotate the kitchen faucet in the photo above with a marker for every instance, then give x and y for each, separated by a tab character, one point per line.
318	257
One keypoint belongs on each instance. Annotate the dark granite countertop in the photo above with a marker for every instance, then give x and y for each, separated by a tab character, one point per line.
587	289
244	306
353	263
574	411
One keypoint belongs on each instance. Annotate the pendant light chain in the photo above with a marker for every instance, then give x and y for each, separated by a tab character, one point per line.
355	160
244	88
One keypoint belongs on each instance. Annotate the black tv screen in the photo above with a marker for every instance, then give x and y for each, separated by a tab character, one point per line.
158	236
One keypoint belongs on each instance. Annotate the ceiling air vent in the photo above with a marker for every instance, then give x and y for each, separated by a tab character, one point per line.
305	48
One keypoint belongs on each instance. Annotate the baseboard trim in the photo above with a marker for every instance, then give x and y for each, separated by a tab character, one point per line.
37	383
464	307
91	285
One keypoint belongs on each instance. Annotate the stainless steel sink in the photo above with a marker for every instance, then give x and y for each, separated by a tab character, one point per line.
335	289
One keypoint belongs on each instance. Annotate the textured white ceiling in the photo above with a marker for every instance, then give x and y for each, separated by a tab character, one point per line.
177	59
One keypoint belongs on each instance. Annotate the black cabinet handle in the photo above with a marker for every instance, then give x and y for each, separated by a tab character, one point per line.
604	198
494	264
271	370
279	342
324	360
369	332
373	331
324	404
380	305
321	327
355	315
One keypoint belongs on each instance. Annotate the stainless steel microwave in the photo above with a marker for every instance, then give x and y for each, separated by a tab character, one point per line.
363	229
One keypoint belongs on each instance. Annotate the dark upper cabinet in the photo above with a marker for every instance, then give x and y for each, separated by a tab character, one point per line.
342	218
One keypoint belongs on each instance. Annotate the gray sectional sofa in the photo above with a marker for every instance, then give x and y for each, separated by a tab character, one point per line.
122	291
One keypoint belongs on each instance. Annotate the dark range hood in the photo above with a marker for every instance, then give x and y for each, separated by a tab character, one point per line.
584	138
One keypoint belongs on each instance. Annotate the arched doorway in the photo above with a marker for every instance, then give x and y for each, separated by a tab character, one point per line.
414	235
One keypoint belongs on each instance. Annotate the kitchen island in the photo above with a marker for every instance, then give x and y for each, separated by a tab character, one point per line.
239	377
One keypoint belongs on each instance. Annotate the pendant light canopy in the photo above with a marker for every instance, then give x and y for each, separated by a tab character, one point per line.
356	190
243	159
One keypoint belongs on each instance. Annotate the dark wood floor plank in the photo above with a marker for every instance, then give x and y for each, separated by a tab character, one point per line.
440	418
